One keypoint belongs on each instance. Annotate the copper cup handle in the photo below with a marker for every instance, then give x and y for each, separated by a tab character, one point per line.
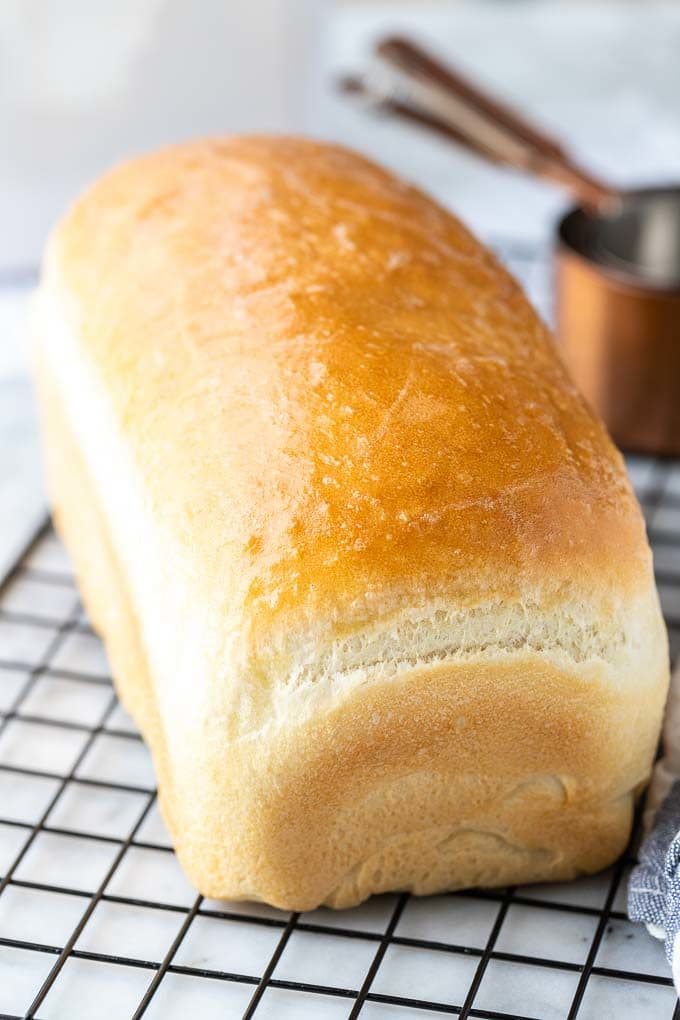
412	84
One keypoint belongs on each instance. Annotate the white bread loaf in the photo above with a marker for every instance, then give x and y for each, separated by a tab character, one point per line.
369	572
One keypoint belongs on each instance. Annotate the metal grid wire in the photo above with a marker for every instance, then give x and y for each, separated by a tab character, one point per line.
74	786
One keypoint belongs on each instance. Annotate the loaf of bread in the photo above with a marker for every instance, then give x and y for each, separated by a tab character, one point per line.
369	572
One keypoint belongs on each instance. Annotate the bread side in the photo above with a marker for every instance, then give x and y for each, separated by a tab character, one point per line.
389	588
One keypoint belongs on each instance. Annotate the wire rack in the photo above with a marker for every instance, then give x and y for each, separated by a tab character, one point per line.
97	920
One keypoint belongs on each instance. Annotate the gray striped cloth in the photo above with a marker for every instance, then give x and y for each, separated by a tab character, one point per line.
654	887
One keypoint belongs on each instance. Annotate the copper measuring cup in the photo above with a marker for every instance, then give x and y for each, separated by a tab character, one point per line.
617	252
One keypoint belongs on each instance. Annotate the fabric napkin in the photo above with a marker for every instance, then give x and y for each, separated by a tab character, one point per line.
654	887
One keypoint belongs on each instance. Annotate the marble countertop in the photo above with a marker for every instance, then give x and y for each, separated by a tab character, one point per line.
22	501
607	75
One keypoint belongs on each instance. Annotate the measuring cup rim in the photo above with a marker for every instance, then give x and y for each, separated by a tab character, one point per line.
578	216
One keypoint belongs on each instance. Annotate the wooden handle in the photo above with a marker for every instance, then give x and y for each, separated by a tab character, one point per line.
404	54
412	84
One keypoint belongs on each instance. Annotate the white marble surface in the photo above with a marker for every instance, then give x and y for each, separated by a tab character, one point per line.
86	84
608	74
21	490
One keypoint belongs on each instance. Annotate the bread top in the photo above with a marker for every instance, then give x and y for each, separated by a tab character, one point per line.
337	401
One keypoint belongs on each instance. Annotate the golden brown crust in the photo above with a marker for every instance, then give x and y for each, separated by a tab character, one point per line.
386	398
467	789
301	424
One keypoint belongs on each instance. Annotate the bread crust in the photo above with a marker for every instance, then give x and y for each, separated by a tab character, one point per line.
370	573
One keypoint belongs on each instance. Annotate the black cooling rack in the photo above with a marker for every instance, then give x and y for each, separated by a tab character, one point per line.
384	935
96	920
